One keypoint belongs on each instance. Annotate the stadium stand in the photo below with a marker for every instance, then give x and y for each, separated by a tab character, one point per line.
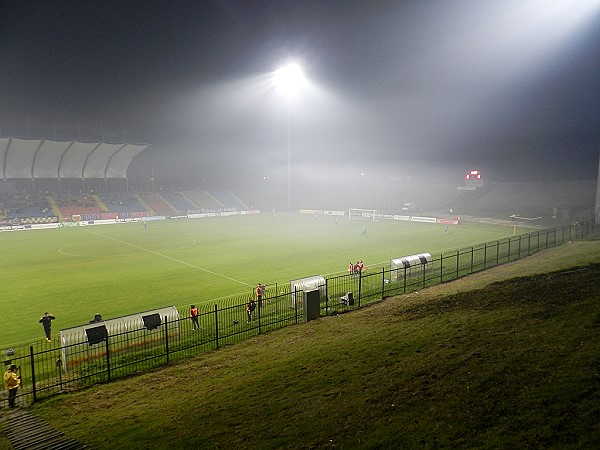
70	205
157	203
202	200
121	203
178	201
229	199
530	198
24	205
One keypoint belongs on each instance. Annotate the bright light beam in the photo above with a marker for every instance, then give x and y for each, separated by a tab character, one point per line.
289	79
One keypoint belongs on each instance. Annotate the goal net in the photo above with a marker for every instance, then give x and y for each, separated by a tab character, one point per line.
363	214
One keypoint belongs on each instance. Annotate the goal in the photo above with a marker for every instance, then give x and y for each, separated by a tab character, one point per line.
363	214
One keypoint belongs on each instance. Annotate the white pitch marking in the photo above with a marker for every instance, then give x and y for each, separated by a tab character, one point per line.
172	259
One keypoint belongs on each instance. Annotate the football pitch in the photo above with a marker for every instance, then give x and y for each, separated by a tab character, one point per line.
126	268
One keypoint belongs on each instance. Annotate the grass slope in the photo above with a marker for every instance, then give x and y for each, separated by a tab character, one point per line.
123	269
480	362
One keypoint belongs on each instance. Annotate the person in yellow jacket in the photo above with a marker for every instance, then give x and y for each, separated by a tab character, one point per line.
12	380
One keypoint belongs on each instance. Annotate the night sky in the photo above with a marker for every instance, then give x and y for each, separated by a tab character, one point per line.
394	88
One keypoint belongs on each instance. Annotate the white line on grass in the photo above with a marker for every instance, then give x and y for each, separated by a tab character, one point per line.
172	259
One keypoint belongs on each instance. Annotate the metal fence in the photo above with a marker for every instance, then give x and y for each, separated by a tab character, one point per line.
45	371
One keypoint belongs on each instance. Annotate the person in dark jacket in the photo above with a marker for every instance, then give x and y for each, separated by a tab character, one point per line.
46	322
250	309
97	318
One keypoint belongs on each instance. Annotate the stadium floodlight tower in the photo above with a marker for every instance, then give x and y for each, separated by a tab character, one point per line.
289	79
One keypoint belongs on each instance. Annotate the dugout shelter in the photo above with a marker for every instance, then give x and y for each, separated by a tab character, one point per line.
399	267
87	341
308	293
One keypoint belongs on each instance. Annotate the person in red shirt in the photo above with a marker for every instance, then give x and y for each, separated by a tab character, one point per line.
360	266
194	316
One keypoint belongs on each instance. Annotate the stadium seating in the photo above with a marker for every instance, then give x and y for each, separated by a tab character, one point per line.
157	203
121	202
178	201
19	205
203	200
70	204
228	199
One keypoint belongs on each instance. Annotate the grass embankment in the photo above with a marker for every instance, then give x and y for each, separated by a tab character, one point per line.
479	362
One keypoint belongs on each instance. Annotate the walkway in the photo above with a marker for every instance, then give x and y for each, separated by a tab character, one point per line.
26	431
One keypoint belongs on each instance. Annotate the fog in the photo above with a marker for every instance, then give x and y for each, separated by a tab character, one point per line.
407	90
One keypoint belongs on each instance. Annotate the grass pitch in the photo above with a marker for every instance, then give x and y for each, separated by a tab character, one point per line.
122	269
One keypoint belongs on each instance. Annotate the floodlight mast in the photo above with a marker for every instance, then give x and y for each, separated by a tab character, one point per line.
289	78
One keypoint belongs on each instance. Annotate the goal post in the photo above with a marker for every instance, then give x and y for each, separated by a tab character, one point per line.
363	214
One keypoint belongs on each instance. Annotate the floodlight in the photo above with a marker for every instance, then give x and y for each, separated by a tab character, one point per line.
289	78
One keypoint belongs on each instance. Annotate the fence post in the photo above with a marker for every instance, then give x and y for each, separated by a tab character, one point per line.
545	240
562	235
296	304
457	261
259	310
34	390
326	296
167	339
485	256
472	258
216	326
441	268
497	252
359	285
107	357
382	283
509	239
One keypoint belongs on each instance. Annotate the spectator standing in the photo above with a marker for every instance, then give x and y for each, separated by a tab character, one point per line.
194	316
97	318
12	380
46	322
259	293
250	309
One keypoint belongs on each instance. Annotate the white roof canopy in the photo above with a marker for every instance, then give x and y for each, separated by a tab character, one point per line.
41	158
